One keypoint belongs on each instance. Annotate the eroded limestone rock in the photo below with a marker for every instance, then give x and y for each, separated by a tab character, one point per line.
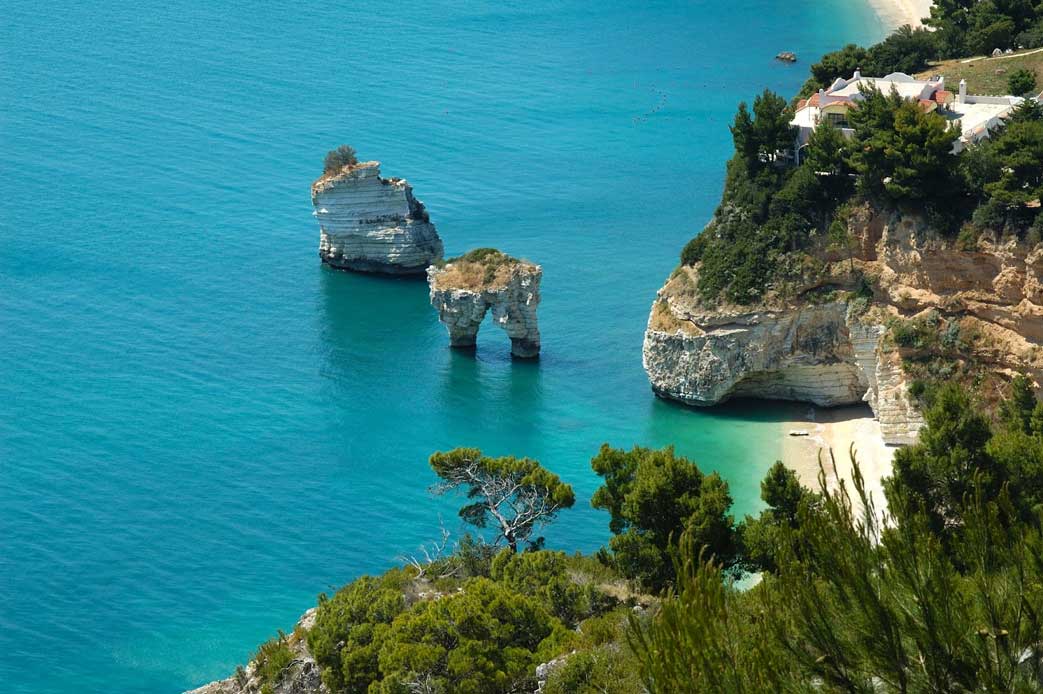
820	348
463	290
373	224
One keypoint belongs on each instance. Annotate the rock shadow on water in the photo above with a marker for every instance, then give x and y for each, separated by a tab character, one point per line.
375	327
491	398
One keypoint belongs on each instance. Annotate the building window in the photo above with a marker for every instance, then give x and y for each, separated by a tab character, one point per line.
838	120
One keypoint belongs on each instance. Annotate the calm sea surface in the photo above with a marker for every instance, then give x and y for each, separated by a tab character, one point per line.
201	428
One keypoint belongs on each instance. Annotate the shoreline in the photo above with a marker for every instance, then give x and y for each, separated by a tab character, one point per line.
896	13
837	429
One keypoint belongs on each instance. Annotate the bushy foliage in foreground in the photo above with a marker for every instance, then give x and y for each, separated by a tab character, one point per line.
486	638
653	496
942	592
401	632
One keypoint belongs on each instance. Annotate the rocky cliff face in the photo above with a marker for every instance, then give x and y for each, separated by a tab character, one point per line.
463	291
373	224
302	676
829	347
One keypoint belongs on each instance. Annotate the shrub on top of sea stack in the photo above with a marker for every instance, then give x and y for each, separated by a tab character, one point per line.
337	159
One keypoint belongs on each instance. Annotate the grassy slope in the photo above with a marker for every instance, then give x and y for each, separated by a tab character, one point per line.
981	75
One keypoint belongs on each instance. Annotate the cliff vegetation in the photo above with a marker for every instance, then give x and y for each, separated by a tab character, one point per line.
941	592
779	224
478	270
877	268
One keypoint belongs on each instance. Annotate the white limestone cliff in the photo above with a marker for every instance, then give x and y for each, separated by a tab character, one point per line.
372	224
465	289
821	347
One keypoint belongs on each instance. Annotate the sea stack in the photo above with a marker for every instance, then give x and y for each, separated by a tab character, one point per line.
463	289
373	224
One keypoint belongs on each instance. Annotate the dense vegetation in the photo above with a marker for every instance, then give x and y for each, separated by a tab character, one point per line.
651	496
774	216
1021	82
977	27
943	594
940	592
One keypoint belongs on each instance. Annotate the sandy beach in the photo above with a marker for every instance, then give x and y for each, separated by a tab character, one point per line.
896	13
838	429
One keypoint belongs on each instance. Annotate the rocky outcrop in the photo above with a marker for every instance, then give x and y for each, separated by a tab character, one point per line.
373	224
302	676
829	348
463	290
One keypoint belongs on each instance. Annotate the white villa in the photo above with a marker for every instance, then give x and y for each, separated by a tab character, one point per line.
973	115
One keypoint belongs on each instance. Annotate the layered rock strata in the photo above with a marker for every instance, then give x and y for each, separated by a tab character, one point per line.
827	348
373	224
464	290
301	676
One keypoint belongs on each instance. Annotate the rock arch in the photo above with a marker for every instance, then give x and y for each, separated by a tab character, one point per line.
464	290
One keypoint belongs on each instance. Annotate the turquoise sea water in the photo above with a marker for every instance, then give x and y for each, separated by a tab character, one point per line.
201	428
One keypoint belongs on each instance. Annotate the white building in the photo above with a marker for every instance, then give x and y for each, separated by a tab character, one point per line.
973	115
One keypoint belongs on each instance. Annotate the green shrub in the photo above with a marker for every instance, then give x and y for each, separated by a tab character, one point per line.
967	239
609	669
1021	82
486	638
337	159
544	576
350	628
692	252
918	333
603	629
653	496
271	660
917	388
